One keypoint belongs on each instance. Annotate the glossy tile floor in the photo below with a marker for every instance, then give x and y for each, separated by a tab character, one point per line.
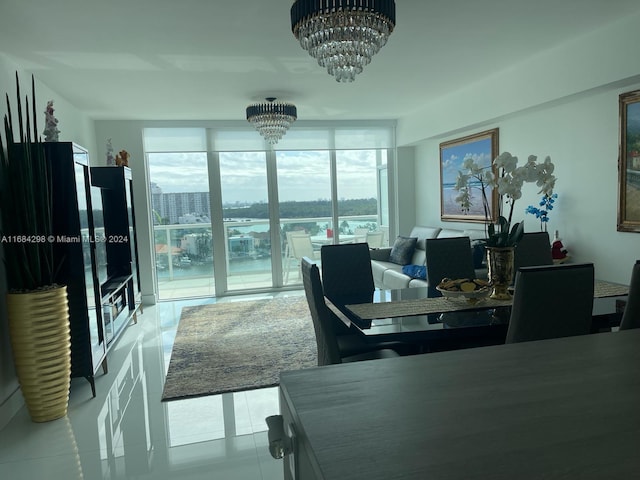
126	432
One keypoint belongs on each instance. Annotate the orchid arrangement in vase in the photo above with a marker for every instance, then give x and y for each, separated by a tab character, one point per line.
508	179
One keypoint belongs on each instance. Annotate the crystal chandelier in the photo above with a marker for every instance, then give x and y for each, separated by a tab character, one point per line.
272	119
343	35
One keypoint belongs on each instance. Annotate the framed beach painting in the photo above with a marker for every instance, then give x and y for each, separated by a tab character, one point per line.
483	148
629	163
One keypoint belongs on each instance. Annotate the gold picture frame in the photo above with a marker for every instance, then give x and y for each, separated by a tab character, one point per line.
483	147
629	163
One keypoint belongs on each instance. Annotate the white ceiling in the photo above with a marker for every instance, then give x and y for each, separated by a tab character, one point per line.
208	59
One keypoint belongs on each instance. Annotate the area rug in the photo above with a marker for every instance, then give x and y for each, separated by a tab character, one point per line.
241	345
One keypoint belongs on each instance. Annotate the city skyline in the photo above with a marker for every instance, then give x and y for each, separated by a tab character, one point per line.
195	207
157	189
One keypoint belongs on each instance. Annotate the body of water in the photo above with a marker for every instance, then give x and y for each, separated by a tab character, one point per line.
251	264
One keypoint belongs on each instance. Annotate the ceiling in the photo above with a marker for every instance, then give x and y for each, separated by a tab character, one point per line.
209	59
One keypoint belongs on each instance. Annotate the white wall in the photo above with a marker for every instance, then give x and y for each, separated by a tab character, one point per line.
74	126
127	135
562	103
582	139
405	191
601	60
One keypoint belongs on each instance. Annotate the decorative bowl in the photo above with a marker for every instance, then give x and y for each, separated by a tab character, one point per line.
451	289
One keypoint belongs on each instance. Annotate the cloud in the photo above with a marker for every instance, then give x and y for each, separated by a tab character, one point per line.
302	176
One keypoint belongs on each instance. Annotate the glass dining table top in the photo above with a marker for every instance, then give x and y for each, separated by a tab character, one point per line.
397	315
421	311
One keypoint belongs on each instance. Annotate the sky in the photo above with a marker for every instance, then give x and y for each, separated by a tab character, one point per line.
633	116
302	176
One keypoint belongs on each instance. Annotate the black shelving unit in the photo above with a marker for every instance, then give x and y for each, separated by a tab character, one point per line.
121	293
79	253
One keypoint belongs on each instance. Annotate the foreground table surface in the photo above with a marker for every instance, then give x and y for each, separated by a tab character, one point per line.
562	408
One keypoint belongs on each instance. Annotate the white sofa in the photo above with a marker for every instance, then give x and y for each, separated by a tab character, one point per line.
388	275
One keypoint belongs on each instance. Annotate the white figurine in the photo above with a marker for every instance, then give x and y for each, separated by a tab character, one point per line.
51	129
111	160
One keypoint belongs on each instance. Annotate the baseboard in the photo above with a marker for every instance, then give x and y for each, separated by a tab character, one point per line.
149	299
10	407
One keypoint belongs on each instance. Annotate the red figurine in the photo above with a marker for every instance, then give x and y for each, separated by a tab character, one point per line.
558	252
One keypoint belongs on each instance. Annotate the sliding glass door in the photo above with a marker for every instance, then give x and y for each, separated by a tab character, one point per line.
225	207
304	207
357	191
181	218
247	232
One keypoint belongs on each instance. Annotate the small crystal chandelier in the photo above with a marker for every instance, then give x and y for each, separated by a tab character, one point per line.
343	35
272	119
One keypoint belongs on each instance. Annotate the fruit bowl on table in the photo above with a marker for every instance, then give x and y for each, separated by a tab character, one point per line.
464	289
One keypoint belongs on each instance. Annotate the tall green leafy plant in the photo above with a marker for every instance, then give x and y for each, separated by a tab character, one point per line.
26	231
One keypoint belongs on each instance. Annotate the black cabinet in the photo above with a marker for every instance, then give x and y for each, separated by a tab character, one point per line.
79	253
121	294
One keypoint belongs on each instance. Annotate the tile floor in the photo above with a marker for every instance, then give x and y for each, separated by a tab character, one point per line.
126	432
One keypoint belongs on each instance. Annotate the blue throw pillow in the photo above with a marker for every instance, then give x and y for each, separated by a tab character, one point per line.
402	250
415	271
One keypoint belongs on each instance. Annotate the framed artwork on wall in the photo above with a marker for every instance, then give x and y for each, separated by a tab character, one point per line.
483	148
629	163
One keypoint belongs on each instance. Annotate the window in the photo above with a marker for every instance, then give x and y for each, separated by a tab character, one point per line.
223	202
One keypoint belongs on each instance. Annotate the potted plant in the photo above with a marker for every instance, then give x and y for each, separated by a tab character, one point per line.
504	236
37	307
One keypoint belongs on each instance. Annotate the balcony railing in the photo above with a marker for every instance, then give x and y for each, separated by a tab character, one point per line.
184	252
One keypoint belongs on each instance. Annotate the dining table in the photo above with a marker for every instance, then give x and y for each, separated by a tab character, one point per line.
558	408
419	316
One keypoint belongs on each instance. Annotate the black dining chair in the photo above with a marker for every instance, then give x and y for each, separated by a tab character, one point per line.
347	279
533	249
631	315
346	273
324	321
448	258
452	257
551	301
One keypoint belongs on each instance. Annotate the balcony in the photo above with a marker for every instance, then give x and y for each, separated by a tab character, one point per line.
184	254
